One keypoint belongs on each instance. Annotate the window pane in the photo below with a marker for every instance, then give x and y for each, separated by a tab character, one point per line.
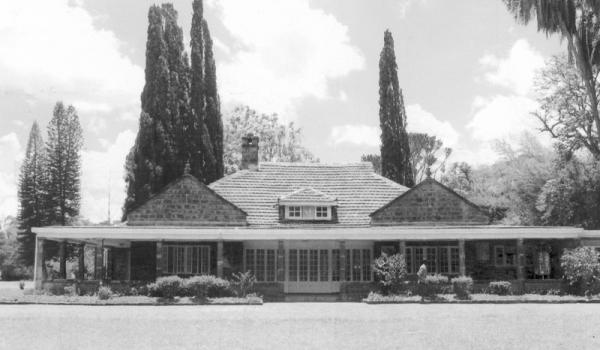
188	259
348	265
314	265
408	253
419	256
303	262
270	265
260	265
444	260
510	254
324	265
366	265
171	260
431	259
180	259
250	261
195	251
293	265
205	259
335	265
454	260
499	255
356	264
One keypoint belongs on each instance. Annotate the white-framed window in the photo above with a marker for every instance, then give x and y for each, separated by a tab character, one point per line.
442	259
294	212
304	212
262	263
187	259
505	255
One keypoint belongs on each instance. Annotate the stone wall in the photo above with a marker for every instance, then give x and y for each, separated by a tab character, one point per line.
187	202
430	203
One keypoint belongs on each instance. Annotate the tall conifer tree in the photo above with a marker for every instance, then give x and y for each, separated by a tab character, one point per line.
63	148
204	97
395	153
32	194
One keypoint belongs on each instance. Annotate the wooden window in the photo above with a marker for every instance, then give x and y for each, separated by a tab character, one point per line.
348	265
250	261
187	259
314	265
356	265
366	264
419	256
270	266
505	255
408	255
499	255
294	212
454	260
303	265
432	259
260	264
444	260
324	265
293	271
322	212
335	265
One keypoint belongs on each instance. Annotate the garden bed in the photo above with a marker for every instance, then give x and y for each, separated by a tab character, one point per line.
23	298
375	298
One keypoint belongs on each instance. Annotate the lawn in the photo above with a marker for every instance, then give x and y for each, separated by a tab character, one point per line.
302	326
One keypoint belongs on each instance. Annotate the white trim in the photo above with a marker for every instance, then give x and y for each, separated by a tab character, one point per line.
329	232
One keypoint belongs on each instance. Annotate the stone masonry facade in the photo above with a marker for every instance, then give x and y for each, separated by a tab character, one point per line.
187	202
430	203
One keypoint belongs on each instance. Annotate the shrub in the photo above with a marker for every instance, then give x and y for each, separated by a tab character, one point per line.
206	287
581	269
499	288
462	286
391	271
243	283
70	290
432	285
167	287
104	293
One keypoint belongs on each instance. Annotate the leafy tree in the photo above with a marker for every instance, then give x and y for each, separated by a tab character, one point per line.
577	21
581	268
427	152
63	149
32	194
10	260
566	110
375	159
277	142
395	152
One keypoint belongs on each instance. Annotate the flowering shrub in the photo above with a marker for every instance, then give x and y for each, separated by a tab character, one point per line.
206	287
104	293
463	287
581	269
391	271
167	287
499	287
432	285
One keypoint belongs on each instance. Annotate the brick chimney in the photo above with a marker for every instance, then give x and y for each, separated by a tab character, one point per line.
250	152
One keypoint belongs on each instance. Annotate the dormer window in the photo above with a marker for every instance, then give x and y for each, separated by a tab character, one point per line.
307	204
307	212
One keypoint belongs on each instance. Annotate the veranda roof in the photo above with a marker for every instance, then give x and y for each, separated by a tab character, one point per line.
369	233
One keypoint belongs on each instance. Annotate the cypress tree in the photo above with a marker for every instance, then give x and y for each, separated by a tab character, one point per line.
204	100
32	194
395	152
63	149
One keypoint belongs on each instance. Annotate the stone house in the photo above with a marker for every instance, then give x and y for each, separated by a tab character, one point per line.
308	229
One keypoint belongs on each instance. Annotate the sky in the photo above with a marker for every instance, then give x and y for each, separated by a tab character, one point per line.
466	69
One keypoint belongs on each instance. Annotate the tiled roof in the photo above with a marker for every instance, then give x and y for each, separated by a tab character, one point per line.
358	190
307	195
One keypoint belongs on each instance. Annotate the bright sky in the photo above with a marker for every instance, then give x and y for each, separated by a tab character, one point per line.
466	69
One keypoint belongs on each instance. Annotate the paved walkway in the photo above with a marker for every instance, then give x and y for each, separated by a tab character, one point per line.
301	326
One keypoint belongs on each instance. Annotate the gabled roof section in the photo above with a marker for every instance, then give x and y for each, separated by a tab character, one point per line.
430	202
187	202
357	189
307	195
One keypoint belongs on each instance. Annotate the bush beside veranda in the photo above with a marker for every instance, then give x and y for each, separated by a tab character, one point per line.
581	269
462	287
204	286
166	287
432	285
499	288
391	272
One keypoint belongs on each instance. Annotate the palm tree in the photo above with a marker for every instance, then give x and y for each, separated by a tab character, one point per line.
577	21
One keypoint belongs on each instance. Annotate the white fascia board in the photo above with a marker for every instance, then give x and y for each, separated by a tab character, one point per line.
310	233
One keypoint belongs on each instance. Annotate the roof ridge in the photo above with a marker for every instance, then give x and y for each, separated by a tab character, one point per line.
310	164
